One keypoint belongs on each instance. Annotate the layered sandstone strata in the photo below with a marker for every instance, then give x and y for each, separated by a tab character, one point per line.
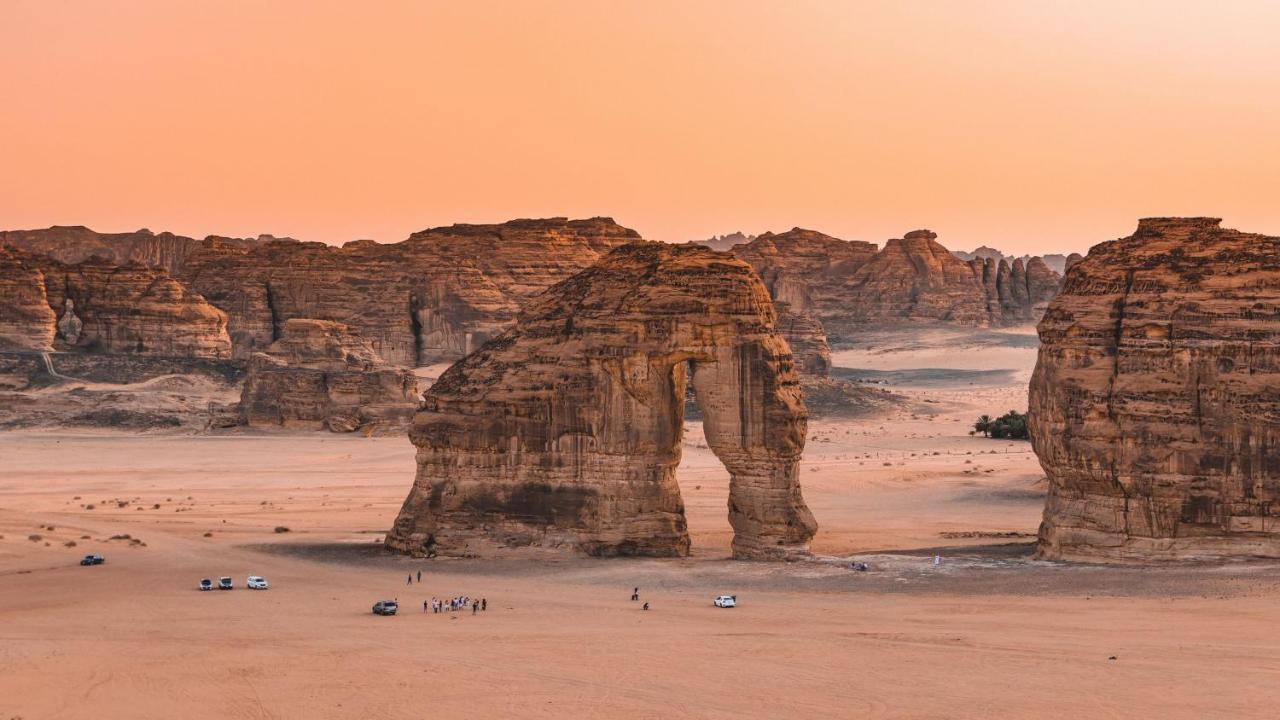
26	320
98	306
135	310
76	244
436	296
564	431
320	374
847	286
1155	404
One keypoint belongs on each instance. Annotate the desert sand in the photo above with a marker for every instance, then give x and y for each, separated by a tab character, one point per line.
987	632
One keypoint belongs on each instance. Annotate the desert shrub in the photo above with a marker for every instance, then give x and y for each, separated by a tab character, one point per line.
281	529
35	537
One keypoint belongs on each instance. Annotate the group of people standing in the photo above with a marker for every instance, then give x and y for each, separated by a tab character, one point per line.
454	604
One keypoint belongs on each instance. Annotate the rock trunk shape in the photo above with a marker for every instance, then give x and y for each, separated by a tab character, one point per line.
319	374
1155	403
564	431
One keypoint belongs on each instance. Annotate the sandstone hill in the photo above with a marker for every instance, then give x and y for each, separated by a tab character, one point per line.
564	431
1155	403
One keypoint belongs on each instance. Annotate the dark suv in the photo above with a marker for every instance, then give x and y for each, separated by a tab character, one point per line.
385	607
92	560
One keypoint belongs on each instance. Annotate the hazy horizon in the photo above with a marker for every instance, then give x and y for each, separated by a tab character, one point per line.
1028	127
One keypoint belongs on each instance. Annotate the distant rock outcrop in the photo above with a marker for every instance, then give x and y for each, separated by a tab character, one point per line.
565	430
321	375
848	286
26	320
98	306
76	244
436	296
1155	404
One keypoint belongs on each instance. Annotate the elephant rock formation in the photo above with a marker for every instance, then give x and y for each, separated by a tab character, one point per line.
565	430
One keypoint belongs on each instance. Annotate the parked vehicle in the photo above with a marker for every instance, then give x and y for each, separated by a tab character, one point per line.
385	607
206	584
224	583
256	582
92	560
726	601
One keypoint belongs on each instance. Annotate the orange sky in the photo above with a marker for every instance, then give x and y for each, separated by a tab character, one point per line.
1027	125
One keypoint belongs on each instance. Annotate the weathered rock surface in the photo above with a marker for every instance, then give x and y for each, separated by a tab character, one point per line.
76	244
98	306
133	309
1155	403
847	286
26	320
319	374
565	430
436	296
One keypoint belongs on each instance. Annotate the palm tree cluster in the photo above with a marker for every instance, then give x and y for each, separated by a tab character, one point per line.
1010	426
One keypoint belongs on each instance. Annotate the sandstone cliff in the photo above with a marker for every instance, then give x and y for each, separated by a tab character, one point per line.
76	244
565	430
132	309
1154	403
847	286
321	375
436	296
98	306
26	320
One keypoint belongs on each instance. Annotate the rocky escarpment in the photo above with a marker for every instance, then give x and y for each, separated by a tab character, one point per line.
101	307
321	375
565	430
436	296
26	320
133	309
76	244
848	286
1155	403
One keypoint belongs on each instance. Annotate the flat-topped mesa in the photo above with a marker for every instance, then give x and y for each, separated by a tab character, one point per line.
320	374
1154	406
565	431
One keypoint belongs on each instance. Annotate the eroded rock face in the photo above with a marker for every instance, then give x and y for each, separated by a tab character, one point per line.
129	310
1155	404
849	286
75	244
26	320
320	374
436	296
565	430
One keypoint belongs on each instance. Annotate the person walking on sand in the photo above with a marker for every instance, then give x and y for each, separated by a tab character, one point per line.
409	580
646	606
475	606
419	576
424	606
484	604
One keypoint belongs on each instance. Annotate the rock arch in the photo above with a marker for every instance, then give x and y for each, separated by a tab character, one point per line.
565	430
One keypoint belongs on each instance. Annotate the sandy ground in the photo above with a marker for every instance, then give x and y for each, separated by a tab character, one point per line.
986	633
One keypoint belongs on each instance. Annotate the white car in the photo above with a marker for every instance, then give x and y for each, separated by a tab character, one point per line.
256	582
726	601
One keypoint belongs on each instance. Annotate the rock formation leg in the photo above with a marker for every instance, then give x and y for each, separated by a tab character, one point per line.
756	427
